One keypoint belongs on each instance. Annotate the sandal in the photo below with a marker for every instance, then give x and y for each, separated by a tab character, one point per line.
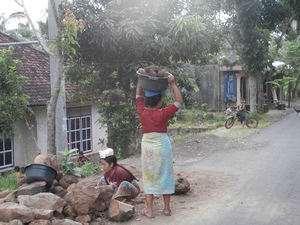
166	214
143	212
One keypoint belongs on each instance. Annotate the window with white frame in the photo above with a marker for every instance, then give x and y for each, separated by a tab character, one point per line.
6	153
79	129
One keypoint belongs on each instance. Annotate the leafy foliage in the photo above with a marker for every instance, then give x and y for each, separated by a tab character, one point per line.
4	21
121	36
249	34
69	166
13	100
121	127
89	169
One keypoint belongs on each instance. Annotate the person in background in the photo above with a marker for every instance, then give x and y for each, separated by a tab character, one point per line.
124	183
242	111
81	159
265	96
156	156
228	110
17	172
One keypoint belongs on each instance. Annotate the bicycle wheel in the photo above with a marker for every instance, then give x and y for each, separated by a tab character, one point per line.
251	122
229	122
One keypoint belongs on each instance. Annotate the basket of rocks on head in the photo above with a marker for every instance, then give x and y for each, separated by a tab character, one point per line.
153	78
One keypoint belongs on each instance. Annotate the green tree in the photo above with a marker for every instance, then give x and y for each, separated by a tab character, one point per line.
289	54
13	102
251	41
22	32
288	18
121	36
4	21
61	50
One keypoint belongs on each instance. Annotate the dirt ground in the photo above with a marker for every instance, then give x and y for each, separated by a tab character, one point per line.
205	185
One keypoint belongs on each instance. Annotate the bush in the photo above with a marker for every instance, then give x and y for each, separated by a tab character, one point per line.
204	107
69	166
89	169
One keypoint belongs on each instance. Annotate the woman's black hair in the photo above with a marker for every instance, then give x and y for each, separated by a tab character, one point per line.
113	159
153	100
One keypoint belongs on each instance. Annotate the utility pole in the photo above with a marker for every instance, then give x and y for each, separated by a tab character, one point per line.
61	140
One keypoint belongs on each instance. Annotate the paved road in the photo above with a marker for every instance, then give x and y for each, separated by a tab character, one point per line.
265	184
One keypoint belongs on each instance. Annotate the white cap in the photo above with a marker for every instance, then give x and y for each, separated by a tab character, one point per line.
106	152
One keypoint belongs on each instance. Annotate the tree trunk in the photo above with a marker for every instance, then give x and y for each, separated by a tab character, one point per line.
51	108
289	94
253	92
274	95
56	73
295	88
260	98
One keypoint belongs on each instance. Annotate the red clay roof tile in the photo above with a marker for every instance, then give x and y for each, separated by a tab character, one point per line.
35	66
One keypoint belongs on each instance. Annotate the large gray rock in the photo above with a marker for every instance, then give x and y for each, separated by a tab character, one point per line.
40	222
42	214
3	194
182	186
120	211
83	219
15	222
13	211
33	188
65	222
49	160
86	198
43	201
67	180
59	191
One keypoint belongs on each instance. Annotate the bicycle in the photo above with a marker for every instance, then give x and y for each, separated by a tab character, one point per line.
251	122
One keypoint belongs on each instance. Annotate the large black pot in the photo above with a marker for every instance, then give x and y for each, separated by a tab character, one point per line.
40	172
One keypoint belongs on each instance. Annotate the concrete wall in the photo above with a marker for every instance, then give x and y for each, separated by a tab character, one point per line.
211	81
41	125
25	149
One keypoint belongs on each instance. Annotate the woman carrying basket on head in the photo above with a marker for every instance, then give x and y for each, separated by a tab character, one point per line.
157	158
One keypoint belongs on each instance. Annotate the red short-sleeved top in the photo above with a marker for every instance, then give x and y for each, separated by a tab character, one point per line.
119	175
154	120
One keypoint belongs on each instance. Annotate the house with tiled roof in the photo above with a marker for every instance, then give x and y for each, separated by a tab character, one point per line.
83	131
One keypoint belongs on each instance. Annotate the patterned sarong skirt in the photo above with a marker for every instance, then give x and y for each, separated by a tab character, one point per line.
157	164
125	189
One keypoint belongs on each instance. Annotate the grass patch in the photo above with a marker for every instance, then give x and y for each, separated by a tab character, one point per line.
198	119
8	182
264	123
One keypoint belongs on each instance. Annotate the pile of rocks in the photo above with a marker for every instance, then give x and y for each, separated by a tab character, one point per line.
68	201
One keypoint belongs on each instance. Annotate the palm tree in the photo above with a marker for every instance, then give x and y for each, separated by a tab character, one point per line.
4	21
22	32
44	29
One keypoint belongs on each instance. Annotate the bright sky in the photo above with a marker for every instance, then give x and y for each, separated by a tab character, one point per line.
35	8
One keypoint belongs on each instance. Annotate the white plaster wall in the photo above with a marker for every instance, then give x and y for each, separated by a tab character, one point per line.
38	122
97	132
41	127
25	148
